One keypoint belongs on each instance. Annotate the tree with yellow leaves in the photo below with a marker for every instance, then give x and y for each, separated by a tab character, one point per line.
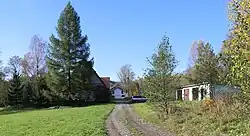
238	46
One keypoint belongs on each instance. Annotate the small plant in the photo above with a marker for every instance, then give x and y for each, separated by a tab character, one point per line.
208	104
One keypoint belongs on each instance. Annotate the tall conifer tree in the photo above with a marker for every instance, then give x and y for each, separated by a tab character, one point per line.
15	92
68	56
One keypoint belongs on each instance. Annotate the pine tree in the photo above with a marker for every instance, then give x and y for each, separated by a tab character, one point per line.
68	57
15	92
160	83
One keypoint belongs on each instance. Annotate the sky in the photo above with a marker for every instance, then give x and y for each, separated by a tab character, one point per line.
119	32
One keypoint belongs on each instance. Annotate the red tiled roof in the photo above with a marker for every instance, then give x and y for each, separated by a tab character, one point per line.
106	81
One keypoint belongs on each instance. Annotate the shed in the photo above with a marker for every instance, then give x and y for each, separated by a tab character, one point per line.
204	90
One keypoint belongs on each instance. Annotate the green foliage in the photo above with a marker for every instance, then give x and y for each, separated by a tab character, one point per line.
28	92
1	71
4	85
184	78
224	64
190	120
237	46
159	83
59	76
190	75
15	92
36	92
68	56
34	69
206	66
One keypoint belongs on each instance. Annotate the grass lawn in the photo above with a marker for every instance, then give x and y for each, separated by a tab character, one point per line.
83	121
146	112
194	122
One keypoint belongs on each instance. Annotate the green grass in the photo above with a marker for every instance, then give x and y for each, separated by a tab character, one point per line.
84	121
146	112
193	122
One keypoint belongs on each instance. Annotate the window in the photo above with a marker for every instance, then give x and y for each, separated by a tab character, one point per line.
137	97
122	92
195	92
179	95
203	93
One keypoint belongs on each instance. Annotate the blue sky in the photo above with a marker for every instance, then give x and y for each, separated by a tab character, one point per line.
120	32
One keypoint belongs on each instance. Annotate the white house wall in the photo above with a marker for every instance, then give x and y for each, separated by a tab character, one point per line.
210	91
118	93
207	89
190	94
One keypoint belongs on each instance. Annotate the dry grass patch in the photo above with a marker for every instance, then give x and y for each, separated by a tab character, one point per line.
196	120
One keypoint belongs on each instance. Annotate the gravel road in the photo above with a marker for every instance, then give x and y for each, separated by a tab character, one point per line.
123	121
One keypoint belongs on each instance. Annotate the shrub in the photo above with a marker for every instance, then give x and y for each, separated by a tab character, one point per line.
208	105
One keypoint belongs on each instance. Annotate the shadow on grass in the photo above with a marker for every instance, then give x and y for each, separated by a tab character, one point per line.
14	110
9	110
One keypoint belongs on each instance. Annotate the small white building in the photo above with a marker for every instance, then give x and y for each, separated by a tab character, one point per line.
118	93
202	91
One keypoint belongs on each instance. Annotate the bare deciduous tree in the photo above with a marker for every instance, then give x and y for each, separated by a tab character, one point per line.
126	76
140	85
14	65
193	56
193	53
34	66
34	63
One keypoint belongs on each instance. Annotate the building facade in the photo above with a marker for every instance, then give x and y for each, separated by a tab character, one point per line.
204	91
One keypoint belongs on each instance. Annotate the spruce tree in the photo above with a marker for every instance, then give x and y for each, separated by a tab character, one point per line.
68	56
15	92
160	82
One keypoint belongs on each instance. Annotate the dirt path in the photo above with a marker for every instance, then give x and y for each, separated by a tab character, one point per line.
114	125
123	121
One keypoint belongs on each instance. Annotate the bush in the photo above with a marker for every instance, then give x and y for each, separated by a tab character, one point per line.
208	117
208	105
